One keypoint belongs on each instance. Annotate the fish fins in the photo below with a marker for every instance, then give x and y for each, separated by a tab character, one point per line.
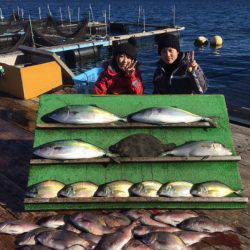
113	157
238	191
46	118
211	121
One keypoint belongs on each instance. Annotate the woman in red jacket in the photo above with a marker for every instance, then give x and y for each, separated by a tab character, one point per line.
121	74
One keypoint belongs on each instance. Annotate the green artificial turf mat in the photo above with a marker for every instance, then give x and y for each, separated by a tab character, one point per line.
205	105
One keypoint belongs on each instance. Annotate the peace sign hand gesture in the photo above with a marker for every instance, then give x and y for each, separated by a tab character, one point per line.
193	65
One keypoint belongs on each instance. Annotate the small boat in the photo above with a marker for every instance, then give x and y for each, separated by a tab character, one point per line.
84	82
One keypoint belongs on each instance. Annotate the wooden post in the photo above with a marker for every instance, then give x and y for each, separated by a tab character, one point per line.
32	34
49	10
40	13
60	10
78	15
109	12
69	17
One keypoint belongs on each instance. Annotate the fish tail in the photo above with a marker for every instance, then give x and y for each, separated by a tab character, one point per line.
240	230
113	157
212	122
123	119
238	191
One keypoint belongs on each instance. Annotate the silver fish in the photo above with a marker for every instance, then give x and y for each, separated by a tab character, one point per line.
70	227
136	245
190	238
53	221
44	189
165	116
146	188
91	237
35	247
117	240
92	223
144	217
142	230
163	240
200	148
176	217
203	224
59	239
68	150
29	237
16	227
79	189
176	189
212	189
81	114
114	189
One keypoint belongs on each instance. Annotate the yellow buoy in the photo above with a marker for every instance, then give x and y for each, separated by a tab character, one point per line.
201	41
216	41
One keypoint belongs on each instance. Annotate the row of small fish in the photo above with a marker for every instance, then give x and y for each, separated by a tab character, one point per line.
122	188
132	229
78	149
92	114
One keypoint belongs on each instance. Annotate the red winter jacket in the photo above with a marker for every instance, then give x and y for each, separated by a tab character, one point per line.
112	82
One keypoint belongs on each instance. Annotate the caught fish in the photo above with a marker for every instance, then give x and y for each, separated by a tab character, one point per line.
163	240
203	224
59	239
176	189
45	189
70	227
165	116
144	217
81	114
29	237
142	230
146	188
116	220
76	247
91	237
68	150
117	240
136	245
114	189
53	221
140	145
16	227
190	238
92	223
200	148
212	189
35	247
176	217
79	189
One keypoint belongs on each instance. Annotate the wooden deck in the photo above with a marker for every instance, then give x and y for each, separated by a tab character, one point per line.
17	123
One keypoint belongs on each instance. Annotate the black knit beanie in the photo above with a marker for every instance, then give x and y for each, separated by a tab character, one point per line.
168	41
130	48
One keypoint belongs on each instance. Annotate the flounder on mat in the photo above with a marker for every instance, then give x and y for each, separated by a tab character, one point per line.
161	116
212	189
140	145
81	114
200	148
68	150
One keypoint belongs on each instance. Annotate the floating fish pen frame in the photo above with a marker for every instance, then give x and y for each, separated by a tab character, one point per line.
162	169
